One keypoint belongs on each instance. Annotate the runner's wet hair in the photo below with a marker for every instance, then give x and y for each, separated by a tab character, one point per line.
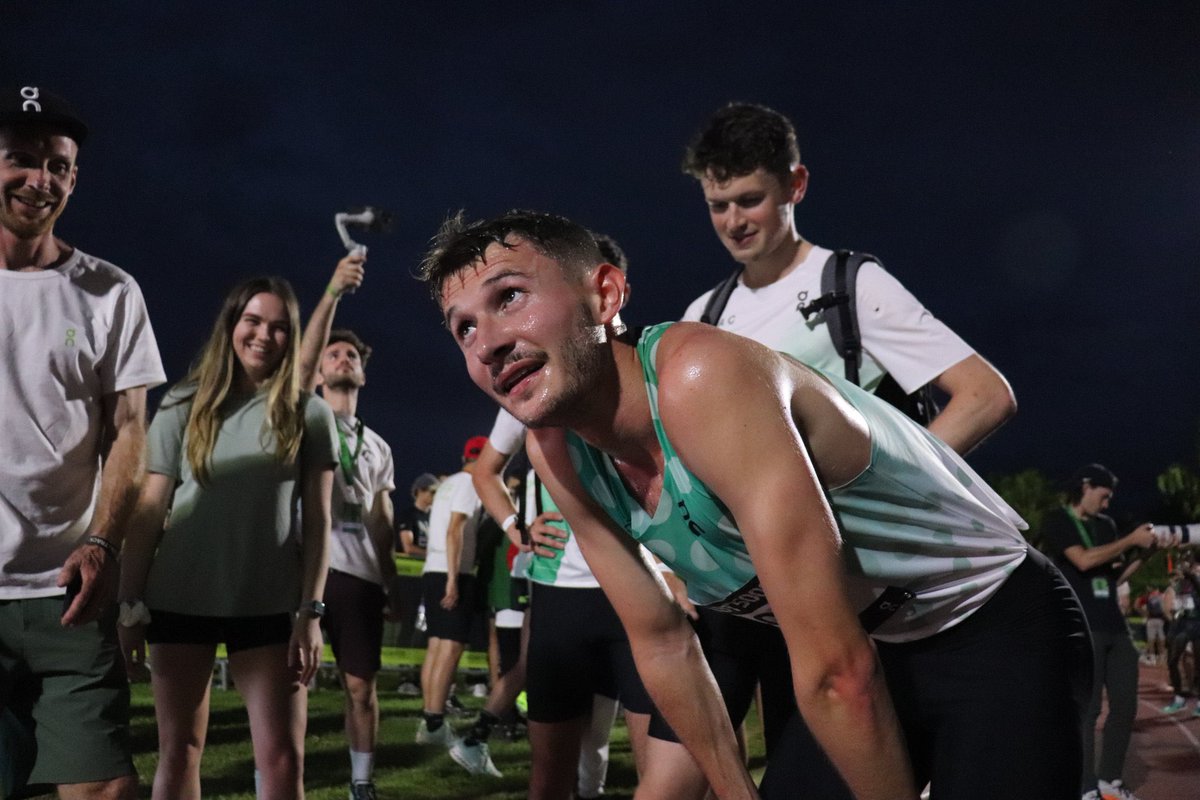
459	244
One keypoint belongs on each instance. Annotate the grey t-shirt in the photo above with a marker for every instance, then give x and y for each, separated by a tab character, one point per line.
232	548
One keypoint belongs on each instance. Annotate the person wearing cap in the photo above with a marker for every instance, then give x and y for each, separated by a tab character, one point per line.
362	566
1084	544
412	527
448	591
79	356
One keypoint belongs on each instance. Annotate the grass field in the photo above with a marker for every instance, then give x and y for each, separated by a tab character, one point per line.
404	770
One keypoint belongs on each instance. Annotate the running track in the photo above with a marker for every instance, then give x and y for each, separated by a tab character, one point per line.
1163	762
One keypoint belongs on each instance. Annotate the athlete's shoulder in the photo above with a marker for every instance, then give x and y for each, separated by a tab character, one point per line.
694	360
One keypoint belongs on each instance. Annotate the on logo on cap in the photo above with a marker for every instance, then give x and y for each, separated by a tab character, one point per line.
30	93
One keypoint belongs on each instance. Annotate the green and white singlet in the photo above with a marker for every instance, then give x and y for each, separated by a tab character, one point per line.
917	518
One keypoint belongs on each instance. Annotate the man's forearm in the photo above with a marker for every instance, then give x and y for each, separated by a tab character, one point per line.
677	678
121	475
454	544
379	528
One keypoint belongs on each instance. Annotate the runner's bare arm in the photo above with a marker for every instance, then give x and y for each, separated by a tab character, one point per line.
729	408
664	646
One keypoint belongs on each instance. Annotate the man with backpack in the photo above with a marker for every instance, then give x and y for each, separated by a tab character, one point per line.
784	296
839	312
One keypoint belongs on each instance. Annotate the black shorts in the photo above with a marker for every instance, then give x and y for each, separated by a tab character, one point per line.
238	633
454	624
990	708
354	623
743	654
577	648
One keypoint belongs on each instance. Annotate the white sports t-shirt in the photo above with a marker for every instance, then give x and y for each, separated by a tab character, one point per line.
350	547
70	335
899	335
455	494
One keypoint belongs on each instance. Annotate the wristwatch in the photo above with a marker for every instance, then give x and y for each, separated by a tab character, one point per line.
313	609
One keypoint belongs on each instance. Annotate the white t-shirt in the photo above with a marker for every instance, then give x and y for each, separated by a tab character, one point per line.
508	433
899	335
569	569
456	494
70	336
350	547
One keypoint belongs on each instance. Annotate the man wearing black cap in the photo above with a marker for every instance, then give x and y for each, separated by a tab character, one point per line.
1086	547
79	356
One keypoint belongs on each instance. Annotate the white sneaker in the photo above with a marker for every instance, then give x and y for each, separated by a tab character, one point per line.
1116	791
1094	794
443	735
474	758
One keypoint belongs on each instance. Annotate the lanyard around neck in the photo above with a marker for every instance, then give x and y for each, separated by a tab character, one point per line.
1079	526
348	461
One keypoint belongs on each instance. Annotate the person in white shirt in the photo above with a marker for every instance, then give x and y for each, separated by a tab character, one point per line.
361	554
79	355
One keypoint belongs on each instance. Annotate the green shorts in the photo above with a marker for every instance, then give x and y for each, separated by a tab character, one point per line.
68	686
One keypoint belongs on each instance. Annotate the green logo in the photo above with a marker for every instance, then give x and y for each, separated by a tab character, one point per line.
70	337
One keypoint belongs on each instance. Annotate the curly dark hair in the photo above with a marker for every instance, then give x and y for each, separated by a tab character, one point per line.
740	138
459	243
611	252
353	339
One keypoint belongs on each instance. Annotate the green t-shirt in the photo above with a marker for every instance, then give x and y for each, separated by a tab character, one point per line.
232	548
917	518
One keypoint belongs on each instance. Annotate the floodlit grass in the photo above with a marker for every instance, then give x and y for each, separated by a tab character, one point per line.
404	770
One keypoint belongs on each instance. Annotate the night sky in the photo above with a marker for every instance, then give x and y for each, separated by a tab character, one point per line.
1030	170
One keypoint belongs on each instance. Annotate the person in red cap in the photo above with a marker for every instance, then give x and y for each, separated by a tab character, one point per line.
447	586
80	355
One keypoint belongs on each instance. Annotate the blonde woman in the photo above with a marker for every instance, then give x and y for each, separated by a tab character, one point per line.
232	448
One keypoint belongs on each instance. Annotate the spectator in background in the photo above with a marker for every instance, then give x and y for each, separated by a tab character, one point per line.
412	526
448	591
1156	626
231	448
361	560
1084	544
1185	630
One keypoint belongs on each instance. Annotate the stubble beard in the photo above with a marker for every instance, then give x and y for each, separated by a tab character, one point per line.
581	361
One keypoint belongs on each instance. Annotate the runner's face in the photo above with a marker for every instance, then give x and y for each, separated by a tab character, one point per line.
341	367
261	335
525	330
37	175
752	214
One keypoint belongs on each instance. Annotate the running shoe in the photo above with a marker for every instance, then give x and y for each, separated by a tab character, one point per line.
1116	791
363	790
1094	794
1175	705
474	758
443	735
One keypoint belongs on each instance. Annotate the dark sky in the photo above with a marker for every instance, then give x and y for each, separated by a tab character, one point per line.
1030	170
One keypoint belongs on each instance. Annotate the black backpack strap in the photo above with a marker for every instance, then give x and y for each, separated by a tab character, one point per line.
719	298
838	280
